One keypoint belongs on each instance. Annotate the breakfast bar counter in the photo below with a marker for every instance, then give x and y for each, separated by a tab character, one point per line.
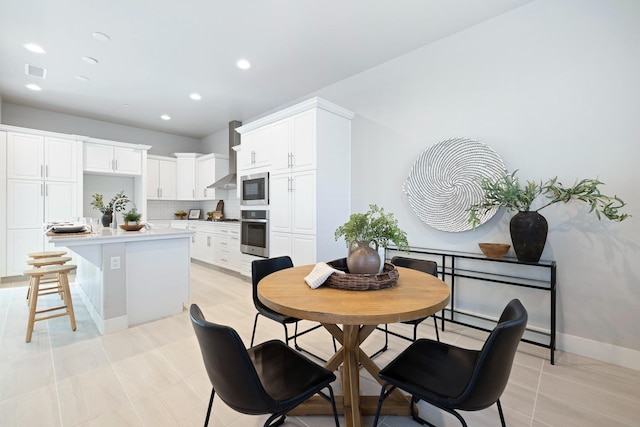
130	277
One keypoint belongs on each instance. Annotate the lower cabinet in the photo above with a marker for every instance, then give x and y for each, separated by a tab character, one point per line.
216	244
300	247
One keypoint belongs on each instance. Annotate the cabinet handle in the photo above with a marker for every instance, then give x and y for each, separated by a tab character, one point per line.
42	171
46	190
160	191
42	190
193	193
253	156
208	241
46	171
193	239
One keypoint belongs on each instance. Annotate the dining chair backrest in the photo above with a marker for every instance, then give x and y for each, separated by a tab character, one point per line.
495	360
229	367
263	267
429	267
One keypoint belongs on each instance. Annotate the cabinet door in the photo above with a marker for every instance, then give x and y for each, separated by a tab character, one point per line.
98	158
280	245
61	159
19	243
128	161
303	203
208	173
303	141
234	250
256	149
60	201
25	204
186	173
25	156
167	179
280	203
153	179
303	249
281	155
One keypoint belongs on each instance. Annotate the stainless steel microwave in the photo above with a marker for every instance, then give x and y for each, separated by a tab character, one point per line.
254	189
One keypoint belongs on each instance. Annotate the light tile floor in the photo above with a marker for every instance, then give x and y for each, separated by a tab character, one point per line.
153	375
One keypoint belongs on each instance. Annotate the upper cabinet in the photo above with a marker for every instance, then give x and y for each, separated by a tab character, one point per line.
210	168
294	143
255	150
112	159
37	157
161	178
186	176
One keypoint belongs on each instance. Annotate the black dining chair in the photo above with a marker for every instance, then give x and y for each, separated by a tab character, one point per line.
260	269
270	378
453	378
426	266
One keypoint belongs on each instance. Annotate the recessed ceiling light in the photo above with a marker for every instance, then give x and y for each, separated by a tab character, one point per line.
101	36
243	64
127	105
35	48
165	117
33	87
195	96
89	60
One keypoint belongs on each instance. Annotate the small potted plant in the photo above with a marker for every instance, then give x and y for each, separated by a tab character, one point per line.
363	229
132	217
180	214
116	204
528	228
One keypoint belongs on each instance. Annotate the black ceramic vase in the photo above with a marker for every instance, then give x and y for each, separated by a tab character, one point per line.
528	234
106	219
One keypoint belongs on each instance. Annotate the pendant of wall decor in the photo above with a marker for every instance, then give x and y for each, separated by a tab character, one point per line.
445	180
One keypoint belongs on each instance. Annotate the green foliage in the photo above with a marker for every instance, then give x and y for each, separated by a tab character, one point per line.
132	216
117	203
507	192
375	225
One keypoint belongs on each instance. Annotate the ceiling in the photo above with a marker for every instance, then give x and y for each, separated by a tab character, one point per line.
161	51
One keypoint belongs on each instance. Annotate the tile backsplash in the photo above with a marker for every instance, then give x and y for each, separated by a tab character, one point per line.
165	209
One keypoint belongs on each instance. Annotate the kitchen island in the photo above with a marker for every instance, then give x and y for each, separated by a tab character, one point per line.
130	277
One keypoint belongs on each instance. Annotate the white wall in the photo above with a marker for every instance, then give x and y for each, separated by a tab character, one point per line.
162	144
553	88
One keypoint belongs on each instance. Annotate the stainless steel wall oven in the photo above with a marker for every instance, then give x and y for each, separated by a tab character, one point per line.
254	232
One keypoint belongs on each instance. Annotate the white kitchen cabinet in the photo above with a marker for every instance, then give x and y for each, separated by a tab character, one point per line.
201	243
161	178
41	158
226	239
293	203
309	178
210	168
186	176
255	150
294	143
112	159
300	247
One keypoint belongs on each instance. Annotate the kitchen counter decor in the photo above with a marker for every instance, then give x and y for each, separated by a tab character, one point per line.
132	227
361	282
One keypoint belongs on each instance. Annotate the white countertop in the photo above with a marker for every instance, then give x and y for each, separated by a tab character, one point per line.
109	235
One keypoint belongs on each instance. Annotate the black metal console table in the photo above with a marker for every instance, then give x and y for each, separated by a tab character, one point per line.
453	266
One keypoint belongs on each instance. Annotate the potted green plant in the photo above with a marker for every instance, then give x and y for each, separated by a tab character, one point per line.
364	229
116	204
528	228
132	217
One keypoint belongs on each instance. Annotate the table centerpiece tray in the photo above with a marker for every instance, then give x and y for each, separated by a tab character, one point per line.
361	282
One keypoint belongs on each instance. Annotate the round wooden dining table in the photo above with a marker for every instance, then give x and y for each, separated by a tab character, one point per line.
350	316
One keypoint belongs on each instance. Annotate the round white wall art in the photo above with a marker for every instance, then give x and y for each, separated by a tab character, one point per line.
445	180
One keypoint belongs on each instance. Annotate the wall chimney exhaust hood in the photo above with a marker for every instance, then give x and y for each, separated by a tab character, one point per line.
229	182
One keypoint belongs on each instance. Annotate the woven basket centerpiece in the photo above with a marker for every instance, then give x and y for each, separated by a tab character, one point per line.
361	282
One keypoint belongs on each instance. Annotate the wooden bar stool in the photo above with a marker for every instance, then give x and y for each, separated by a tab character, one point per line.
35	275
38	260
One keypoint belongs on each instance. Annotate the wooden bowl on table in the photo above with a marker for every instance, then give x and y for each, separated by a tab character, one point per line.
494	250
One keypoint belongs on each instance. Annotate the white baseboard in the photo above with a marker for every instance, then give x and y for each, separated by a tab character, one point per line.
104	326
604	352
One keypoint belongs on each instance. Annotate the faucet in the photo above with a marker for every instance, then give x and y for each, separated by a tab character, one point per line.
114	223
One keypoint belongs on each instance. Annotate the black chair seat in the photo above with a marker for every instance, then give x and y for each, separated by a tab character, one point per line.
432	369
293	379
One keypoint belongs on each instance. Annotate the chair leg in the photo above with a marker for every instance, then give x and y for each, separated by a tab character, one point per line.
206	420
435	326
253	334
501	413
273	417
331	399
383	395
386	341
